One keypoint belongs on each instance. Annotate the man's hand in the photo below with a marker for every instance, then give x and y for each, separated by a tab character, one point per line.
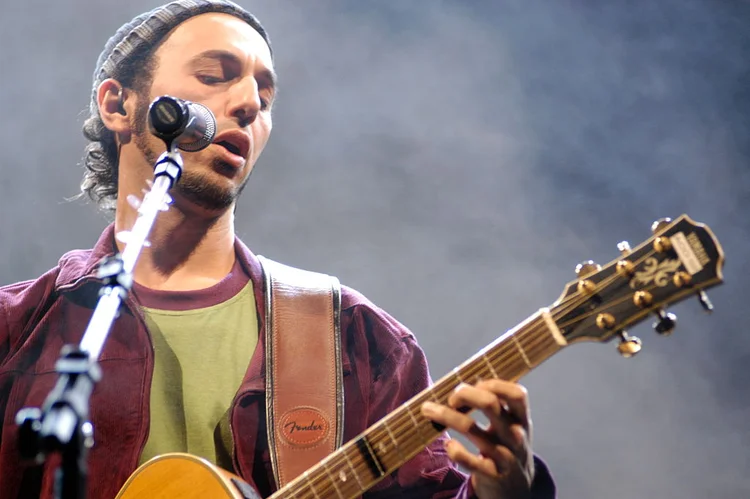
504	467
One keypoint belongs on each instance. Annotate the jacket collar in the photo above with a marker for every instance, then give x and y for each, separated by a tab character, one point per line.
81	265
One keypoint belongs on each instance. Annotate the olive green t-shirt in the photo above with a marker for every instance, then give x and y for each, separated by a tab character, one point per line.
203	342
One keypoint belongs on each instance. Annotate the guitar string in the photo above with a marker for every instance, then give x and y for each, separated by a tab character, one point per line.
610	304
565	309
469	371
415	436
603	284
570	303
496	359
398	426
360	465
474	368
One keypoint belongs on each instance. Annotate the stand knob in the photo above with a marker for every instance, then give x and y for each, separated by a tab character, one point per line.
629	345
666	324
30	424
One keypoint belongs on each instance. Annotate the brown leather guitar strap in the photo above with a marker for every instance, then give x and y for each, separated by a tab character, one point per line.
304	380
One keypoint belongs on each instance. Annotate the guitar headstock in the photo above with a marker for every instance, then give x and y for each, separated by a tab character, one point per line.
680	260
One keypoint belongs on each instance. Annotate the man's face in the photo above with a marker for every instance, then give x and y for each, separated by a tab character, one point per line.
220	61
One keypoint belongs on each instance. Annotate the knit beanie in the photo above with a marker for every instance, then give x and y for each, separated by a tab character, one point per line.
145	31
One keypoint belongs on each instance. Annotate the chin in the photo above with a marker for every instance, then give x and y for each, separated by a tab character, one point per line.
213	194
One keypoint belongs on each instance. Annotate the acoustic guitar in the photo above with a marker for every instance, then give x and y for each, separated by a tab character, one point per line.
681	259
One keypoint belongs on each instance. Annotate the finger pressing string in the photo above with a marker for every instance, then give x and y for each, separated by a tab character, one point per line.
472	462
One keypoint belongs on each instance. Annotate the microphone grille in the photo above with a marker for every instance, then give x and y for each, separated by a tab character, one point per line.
209	132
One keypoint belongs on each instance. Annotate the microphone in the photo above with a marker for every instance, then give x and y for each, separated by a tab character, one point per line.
190	125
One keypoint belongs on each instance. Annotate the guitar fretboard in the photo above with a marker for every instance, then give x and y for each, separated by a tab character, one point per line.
384	447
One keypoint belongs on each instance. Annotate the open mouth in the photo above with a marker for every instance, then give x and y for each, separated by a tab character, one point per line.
235	141
234	149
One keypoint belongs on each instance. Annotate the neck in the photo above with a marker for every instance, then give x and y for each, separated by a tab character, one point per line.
385	446
186	252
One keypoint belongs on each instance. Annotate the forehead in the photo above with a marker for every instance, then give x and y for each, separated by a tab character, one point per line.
215	31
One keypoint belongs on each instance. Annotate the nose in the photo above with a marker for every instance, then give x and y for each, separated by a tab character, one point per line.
244	101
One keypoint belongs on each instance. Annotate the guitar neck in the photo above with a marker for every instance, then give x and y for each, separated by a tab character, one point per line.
387	445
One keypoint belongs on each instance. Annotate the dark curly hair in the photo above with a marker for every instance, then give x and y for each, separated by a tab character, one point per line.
101	154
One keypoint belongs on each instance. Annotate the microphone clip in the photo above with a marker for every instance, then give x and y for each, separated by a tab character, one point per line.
169	165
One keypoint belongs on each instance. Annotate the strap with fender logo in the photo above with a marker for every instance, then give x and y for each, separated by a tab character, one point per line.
304	385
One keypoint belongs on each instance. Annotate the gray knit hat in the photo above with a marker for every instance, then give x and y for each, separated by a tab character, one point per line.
137	37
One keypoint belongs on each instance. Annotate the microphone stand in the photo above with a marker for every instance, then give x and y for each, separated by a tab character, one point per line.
61	425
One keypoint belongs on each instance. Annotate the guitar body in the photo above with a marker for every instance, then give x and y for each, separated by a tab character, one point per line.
173	475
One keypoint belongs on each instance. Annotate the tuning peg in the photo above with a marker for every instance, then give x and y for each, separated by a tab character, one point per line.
662	244
705	302
587	268
659	224
666	324
624	248
682	279
629	345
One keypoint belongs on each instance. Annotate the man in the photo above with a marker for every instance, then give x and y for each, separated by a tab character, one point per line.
182	366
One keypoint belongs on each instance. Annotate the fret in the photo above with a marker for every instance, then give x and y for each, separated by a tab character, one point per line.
539	338
393	440
434	397
310	484
521	350
489	365
458	375
370	457
354	470
414	420
554	331
332	480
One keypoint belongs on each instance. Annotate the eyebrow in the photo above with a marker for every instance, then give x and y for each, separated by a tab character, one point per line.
268	75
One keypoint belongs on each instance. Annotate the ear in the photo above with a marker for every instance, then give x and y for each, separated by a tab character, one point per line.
112	99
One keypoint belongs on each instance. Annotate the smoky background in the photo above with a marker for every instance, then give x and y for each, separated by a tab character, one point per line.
454	161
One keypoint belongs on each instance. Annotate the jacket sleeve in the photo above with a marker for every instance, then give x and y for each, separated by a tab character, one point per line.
15	310
430	474
20	304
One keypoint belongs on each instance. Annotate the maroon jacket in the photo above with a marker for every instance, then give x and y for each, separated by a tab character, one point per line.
383	367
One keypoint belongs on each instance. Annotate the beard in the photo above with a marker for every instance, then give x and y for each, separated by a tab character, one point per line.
196	187
199	189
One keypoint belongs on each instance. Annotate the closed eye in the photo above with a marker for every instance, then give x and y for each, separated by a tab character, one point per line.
209	79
